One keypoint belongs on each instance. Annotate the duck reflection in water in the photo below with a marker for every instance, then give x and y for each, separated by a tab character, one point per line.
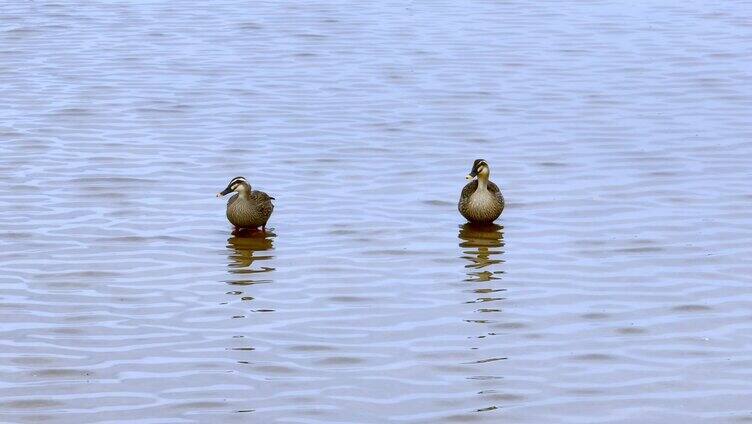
482	245
249	250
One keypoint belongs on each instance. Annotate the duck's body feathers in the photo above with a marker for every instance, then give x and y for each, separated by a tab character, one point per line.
481	206
470	188
252	211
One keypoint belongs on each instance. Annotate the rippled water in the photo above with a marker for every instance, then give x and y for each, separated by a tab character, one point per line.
616	287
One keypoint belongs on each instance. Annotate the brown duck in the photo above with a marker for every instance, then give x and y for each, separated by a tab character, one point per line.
481	201
247	209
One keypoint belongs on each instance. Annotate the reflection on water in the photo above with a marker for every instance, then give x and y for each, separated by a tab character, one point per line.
482	246
249	251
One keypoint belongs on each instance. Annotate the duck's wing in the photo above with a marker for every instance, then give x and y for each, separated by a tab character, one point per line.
493	188
260	196
263	204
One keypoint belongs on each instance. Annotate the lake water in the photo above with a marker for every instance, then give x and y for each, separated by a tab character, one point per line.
617	286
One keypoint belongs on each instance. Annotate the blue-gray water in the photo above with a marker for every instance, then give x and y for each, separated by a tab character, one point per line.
618	290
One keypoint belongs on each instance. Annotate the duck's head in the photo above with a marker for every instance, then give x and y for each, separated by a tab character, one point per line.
480	167
238	184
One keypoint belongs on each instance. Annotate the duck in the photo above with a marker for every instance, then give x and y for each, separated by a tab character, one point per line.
247	208
481	201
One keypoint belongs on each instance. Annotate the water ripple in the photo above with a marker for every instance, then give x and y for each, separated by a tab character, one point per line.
615	286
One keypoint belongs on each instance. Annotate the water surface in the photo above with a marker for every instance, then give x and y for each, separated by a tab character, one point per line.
615	287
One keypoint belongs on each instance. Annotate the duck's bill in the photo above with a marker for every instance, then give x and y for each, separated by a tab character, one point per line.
224	192
470	176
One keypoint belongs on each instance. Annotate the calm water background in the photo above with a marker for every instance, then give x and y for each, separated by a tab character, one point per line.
617	288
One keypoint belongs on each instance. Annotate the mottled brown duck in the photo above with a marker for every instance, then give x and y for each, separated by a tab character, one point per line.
481	201
247	208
